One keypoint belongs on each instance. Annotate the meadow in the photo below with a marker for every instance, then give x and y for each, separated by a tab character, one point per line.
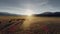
29	25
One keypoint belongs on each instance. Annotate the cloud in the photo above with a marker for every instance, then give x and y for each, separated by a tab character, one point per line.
20	6
55	4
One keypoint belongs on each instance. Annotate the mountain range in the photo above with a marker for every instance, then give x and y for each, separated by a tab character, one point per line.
49	14
45	14
7	14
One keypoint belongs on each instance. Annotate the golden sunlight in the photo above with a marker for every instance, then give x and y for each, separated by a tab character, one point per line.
28	19
29	12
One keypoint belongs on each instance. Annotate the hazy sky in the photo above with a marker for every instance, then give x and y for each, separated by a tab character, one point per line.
36	6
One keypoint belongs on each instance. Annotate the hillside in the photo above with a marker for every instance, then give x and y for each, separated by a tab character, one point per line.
49	14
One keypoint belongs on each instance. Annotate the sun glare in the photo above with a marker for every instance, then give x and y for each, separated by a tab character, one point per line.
29	12
28	19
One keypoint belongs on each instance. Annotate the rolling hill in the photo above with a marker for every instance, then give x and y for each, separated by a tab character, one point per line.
49	14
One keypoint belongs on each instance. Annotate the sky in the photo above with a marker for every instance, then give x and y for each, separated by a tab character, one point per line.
29	6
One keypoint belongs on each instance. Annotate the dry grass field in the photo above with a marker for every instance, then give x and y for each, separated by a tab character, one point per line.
29	25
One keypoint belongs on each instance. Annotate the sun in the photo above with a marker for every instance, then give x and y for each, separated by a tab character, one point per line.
28	12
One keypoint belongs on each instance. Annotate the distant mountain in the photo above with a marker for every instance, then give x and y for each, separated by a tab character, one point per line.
45	14
7	14
49	14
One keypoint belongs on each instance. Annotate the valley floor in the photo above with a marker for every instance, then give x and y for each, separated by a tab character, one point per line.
29	25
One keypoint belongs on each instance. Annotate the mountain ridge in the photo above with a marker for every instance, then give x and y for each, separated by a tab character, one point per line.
49	14
7	14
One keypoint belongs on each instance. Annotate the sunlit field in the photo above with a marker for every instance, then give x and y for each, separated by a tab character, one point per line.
29	25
